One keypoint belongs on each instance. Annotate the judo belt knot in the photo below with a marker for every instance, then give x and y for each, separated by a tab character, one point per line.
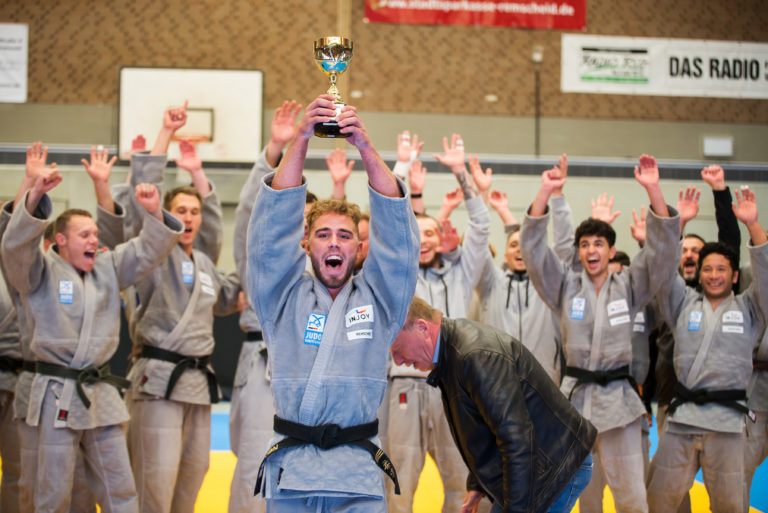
700	396
600	377
328	436
87	375
183	362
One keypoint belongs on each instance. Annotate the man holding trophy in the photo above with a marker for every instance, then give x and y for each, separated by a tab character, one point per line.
328	334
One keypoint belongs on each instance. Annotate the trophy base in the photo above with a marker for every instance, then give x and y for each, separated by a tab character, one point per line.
330	129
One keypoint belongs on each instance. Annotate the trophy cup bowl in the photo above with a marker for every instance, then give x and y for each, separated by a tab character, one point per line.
332	55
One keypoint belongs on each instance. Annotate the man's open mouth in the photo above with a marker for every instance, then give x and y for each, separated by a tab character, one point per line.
334	261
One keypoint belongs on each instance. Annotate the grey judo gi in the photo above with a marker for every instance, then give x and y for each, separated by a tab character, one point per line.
77	329
511	304
82	495
169	440
252	407
417	423
597	334
713	351
342	380
756	446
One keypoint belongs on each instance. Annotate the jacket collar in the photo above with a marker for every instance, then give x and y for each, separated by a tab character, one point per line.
446	327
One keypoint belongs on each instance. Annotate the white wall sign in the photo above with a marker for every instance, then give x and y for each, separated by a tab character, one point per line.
13	62
663	67
223	115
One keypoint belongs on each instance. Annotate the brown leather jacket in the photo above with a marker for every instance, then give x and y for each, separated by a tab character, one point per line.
519	435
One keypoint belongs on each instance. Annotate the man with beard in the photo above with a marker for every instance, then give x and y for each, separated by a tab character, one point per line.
596	309
328	334
715	333
417	423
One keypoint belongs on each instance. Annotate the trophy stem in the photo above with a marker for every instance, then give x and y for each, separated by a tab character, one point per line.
333	89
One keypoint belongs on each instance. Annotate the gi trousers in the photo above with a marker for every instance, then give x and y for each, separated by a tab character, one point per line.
755	450
250	429
105	455
417	426
679	457
10	454
327	505
170	444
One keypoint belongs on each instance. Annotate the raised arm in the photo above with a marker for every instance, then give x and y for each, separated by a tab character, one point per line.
647	175
453	158
380	177
281	130
99	169
173	119
745	210
289	172
191	162
340	169
688	205
451	200
35	167
727	225
407	153
500	203
550	181
482	179
602	208
417	178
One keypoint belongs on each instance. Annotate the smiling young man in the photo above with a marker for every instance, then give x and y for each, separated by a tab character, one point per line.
715	334
596	309
328	333
73	297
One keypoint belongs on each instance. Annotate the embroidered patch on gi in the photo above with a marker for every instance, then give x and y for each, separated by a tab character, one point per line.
694	321
205	279
732	329
359	314
403	401
313	333
188	272
639	325
733	316
618	306
578	305
621	319
66	292
208	290
63	414
354	335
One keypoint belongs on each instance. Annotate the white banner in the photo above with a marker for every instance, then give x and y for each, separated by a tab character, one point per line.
13	62
663	67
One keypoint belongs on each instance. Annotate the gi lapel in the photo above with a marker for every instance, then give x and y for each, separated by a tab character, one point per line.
711	321
189	311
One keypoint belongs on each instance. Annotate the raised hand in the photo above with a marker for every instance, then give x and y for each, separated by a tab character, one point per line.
148	197
562	168
550	180
321	109
601	209
450	237
175	117
351	124
35	165
453	155
648	172
189	159
139	143
408	150
282	129
688	204
637	227
43	183
453	199
99	167
714	176
498	200
745	207
339	166
417	177
482	179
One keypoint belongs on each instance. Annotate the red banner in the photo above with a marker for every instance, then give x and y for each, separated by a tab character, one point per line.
541	14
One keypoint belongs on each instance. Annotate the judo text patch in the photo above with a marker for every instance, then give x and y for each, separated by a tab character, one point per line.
359	314
66	292
694	321
313	333
188	273
578	306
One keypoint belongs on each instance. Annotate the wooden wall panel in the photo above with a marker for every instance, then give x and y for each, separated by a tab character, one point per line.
77	47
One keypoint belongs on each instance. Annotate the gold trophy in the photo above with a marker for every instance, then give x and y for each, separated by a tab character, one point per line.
332	54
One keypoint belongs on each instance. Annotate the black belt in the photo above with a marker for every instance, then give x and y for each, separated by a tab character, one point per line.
183	363
700	396
28	366
760	365
253	336
90	374
13	365
600	377
328	436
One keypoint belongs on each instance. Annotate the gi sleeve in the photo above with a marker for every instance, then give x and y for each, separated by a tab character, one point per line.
562	226
226	302
545	270
135	259
145	168
475	247
111	226
209	236
757	293
393	251
22	256
275	259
